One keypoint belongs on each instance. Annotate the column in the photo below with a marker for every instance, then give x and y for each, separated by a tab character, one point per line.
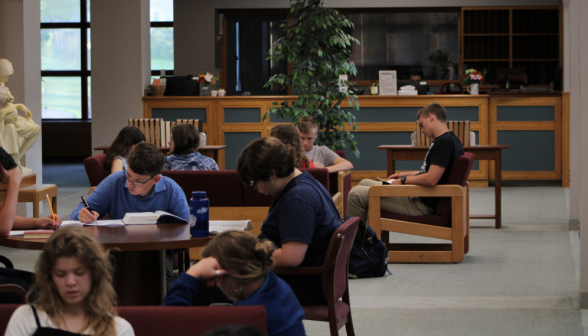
121	68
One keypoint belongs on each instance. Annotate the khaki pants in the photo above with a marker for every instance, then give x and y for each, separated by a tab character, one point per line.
358	202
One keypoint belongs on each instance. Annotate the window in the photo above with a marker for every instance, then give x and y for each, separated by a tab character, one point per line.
65	59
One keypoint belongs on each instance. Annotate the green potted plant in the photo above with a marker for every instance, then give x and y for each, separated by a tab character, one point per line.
441	59
318	49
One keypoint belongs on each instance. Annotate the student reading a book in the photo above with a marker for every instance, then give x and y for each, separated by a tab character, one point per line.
302	217
239	265
183	146
444	149
73	291
322	156
140	188
11	176
290	137
123	144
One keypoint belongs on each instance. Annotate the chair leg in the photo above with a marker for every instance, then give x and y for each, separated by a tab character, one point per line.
349	325
181	262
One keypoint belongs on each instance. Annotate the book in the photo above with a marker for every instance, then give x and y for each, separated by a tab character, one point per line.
217	226
157	217
385	182
167	132
163	138
38	234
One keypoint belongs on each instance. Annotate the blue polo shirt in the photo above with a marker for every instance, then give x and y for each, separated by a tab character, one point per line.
112	197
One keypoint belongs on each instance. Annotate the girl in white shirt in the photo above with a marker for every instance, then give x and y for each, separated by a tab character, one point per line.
74	291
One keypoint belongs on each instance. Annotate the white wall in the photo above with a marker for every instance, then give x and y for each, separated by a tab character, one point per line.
385	3
120	65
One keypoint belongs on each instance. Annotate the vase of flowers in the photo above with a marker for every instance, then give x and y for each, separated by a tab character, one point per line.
207	84
472	79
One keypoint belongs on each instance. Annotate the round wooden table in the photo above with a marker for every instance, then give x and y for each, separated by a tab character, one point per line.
139	252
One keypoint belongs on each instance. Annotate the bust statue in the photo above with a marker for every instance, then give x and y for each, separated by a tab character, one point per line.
18	133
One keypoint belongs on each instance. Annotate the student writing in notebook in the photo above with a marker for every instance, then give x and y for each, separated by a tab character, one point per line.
140	188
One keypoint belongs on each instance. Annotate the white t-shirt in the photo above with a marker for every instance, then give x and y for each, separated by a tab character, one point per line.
22	323
322	154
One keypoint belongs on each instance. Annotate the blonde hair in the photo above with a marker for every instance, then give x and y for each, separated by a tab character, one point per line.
290	137
75	241
307	125
244	257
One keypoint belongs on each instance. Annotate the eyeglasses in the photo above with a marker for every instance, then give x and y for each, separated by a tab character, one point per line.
253	184
135	182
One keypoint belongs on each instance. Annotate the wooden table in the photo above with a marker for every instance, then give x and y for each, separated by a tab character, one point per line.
139	276
210	151
481	152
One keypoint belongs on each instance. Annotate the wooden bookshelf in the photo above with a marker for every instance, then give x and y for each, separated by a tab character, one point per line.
512	37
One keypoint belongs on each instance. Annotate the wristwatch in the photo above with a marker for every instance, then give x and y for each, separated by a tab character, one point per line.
403	179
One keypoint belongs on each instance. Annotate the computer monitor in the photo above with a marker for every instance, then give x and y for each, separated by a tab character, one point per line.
420	86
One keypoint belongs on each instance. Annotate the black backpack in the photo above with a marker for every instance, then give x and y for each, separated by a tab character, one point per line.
369	255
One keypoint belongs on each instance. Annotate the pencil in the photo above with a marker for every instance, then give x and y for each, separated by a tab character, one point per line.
50	207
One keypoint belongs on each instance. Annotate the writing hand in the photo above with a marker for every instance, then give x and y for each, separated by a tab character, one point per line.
48	223
394	176
86	217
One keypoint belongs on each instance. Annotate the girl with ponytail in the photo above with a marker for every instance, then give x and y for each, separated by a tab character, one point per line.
239	265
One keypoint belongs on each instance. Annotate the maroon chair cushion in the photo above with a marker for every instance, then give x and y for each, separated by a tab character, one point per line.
321	313
459	173
341	153
95	169
223	187
6	311
321	175
154	321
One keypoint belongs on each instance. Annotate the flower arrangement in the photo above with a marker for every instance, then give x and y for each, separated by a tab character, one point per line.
473	76
208	80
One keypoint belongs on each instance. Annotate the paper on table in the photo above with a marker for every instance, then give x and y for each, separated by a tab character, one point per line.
16	233
97	223
388	83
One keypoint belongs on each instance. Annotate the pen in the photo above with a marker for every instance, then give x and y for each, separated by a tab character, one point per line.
87	205
50	207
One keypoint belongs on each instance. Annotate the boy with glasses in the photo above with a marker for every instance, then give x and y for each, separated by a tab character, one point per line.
140	188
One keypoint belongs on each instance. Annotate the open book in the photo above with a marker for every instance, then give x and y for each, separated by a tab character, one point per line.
217	226
157	217
385	182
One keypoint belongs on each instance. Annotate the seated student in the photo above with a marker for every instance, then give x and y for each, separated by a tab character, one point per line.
444	149
239	265
73	290
126	140
183	146
9	220
290	137
322	156
140	188
302	217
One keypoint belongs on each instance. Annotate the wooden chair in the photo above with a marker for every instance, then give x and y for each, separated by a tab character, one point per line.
460	128
450	221
337	311
341	182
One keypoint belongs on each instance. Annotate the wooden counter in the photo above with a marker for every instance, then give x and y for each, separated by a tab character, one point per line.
535	124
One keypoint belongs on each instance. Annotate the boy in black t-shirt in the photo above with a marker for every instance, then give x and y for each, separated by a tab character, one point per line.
444	149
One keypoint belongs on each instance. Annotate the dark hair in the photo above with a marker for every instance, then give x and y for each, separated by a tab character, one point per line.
186	139
146	159
6	160
290	137
236	330
434	109
416	72
243	256
264	157
128	136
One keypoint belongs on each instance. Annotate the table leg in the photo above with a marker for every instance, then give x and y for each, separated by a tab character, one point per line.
139	277
497	188
391	164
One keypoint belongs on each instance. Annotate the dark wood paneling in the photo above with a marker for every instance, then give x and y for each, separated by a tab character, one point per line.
67	139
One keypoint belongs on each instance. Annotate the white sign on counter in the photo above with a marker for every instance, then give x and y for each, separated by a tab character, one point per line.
388	83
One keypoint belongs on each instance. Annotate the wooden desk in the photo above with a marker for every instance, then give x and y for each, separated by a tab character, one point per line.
210	151
481	152
139	276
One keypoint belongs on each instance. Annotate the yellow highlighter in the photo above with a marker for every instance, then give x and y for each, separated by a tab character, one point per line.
50	207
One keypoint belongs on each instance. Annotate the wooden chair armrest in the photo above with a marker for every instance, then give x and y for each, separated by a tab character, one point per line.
338	200
343	173
445	190
91	189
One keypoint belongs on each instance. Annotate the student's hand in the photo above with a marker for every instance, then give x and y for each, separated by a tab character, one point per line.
318	164
394	176
206	269
11	176
86	217
48	223
396	182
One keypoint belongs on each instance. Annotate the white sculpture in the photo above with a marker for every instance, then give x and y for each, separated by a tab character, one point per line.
18	133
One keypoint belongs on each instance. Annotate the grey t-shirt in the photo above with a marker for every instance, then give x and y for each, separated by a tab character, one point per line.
322	154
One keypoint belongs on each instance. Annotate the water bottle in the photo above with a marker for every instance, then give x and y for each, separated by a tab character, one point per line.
199	214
